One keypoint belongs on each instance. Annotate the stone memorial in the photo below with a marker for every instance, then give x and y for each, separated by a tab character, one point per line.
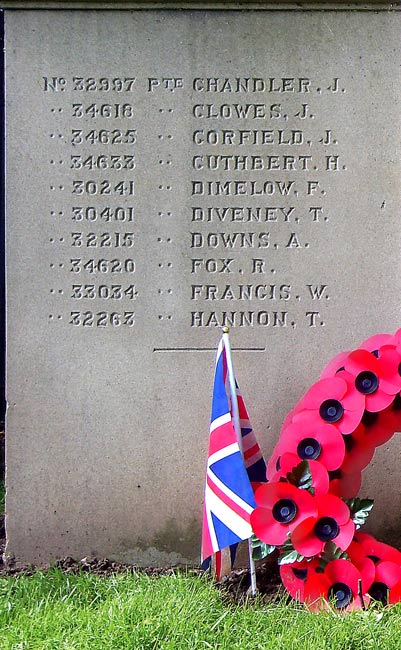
170	172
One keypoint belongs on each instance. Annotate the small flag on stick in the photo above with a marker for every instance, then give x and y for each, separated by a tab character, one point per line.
229	498
253	458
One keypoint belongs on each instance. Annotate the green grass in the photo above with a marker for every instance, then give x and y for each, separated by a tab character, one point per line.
61	611
58	611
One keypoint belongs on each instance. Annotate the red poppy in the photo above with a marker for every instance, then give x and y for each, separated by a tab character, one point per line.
375	342
331	523
345	485
377	551
363	563
334	365
339	584
380	427
397	337
390	359
256	485
335	401
387	576
281	507
312	439
288	419
374	430
274	463
377	379
395	594
294	577
320	477
359	452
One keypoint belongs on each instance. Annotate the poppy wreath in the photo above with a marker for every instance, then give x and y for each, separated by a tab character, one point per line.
309	512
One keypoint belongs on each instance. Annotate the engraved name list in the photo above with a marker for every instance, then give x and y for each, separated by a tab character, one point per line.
257	163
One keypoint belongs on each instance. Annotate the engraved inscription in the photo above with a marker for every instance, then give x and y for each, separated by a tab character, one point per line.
270	182
258	162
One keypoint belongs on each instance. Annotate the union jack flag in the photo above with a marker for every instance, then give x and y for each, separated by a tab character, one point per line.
229	498
253	458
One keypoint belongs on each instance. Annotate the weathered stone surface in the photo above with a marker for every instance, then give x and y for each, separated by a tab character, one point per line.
273	5
236	168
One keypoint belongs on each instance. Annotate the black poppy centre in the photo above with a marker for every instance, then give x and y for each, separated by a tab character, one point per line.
379	591
309	449
326	529
341	594
349	442
301	574
369	418
397	402
367	382
284	511
331	410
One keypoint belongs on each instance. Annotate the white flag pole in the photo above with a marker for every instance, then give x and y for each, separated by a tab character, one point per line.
237	429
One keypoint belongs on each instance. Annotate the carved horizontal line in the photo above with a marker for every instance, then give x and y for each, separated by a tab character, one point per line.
235	5
189	349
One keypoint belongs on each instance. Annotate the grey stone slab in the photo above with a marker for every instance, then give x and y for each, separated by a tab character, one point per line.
237	168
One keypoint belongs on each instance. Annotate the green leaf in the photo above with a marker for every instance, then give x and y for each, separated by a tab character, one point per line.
287	546
289	556
260	550
360	510
301	476
331	552
288	553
